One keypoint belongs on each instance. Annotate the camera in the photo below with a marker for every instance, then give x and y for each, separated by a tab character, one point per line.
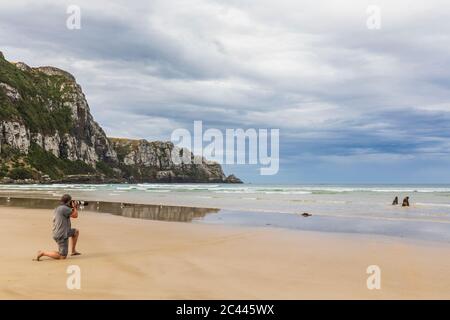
78	204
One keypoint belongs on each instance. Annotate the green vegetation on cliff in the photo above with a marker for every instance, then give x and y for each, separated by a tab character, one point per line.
37	162
54	167
38	101
41	104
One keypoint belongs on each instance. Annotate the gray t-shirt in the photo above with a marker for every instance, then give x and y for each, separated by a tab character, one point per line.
61	222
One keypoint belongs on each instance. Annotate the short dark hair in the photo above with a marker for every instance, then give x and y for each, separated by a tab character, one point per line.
65	199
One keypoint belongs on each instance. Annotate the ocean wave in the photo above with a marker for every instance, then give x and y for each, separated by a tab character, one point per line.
223	188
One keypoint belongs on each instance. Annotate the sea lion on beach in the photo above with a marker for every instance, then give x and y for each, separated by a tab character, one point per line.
395	202
405	202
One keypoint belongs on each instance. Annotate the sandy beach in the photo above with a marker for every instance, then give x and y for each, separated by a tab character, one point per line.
124	258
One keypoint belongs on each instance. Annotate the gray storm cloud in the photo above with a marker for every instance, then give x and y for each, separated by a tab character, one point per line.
310	68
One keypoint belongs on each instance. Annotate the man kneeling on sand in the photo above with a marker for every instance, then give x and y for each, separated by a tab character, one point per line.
62	230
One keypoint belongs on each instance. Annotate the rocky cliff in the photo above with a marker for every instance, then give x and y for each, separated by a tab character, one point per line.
47	133
142	160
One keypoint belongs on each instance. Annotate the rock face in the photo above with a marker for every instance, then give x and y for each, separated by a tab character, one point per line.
233	179
47	130
76	137
15	135
153	161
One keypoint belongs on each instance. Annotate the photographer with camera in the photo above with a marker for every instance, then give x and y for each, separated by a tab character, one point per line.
62	229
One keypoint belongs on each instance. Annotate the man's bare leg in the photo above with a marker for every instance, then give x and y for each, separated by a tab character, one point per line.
50	254
74	243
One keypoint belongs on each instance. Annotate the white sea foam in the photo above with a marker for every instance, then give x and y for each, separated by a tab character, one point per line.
425	204
223	188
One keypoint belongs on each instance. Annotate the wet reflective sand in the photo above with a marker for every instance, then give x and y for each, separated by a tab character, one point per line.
141	211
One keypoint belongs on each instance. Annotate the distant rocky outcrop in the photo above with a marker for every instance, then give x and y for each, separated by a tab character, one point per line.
143	160
47	134
233	179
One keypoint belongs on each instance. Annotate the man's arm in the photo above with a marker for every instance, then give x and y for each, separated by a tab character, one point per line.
74	214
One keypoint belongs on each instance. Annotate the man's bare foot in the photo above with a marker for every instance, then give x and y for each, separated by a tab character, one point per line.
38	256
76	253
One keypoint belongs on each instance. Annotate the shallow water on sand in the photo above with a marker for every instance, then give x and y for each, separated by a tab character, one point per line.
138	211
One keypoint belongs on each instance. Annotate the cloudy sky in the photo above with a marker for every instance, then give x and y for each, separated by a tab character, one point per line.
353	104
